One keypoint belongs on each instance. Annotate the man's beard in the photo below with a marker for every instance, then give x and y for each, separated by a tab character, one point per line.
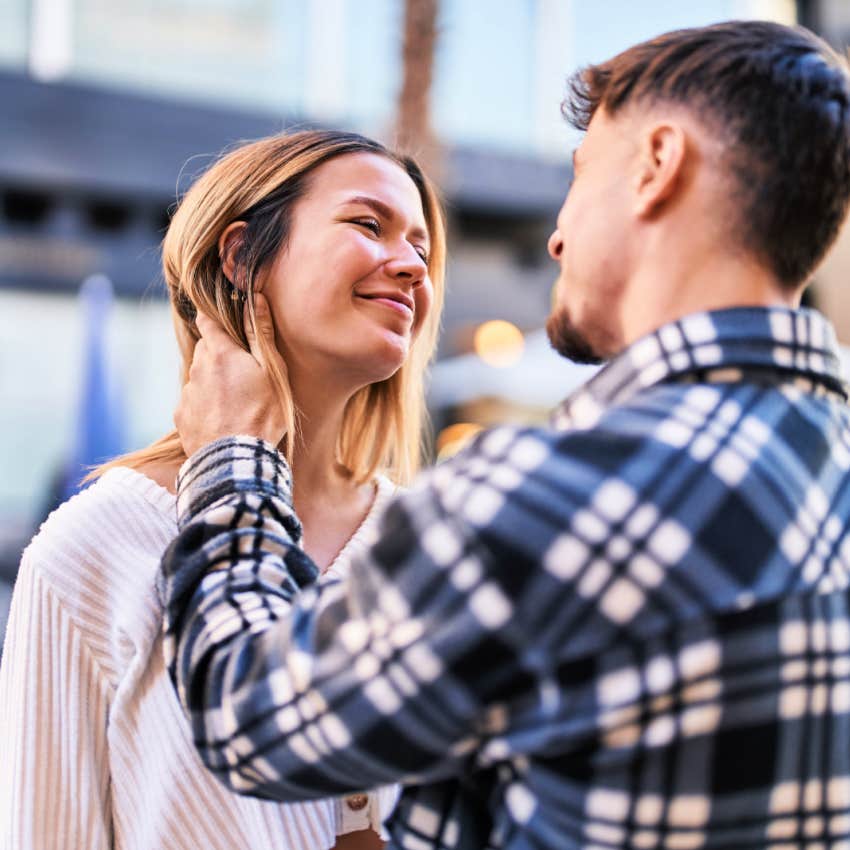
568	341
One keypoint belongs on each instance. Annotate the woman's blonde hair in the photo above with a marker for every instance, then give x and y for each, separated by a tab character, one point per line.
260	183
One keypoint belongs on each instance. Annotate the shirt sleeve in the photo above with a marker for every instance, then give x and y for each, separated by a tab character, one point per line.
54	778
296	689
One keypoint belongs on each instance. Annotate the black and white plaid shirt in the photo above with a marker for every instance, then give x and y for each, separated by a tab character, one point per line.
629	630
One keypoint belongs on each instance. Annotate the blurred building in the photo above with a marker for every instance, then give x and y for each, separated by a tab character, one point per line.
110	107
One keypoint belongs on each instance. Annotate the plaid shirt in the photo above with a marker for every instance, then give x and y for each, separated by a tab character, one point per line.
629	630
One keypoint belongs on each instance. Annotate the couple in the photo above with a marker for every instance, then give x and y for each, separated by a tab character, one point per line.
628	630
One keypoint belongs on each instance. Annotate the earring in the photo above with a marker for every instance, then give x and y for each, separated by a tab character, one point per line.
235	294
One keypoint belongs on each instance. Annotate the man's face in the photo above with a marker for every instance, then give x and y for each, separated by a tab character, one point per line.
591	244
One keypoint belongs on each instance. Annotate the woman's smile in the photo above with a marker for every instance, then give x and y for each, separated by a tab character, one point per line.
399	303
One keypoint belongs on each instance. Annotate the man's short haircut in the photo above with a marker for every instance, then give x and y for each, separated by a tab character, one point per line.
778	96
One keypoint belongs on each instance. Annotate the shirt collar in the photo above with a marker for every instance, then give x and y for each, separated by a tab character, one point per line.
796	343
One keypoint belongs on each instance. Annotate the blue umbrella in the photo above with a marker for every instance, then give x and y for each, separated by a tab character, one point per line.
99	432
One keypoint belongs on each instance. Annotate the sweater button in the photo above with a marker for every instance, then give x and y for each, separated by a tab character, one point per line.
356	802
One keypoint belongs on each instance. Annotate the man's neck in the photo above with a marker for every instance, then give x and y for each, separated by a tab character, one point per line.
683	285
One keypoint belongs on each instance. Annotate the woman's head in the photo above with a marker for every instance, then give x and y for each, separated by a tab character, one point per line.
324	223
349	288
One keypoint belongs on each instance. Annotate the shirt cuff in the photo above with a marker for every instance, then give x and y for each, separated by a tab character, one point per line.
229	466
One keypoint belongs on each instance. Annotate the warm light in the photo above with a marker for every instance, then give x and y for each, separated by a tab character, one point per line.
499	343
453	438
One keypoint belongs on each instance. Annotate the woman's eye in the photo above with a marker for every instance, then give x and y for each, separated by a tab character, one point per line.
370	224
422	253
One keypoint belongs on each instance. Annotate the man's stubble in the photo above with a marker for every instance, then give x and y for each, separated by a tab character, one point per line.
568	340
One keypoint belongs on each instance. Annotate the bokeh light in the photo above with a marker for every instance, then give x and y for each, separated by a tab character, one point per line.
499	343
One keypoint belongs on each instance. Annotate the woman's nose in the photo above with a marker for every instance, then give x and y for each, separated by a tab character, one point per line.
408	263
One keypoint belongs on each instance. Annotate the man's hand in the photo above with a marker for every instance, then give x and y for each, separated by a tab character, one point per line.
229	389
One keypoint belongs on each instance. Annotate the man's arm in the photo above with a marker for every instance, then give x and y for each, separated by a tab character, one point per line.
297	691
412	668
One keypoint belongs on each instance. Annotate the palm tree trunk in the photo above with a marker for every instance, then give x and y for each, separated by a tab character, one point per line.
414	134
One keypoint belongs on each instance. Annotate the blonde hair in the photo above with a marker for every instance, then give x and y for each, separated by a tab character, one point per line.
260	183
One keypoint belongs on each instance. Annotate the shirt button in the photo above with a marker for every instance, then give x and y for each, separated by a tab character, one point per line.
356	802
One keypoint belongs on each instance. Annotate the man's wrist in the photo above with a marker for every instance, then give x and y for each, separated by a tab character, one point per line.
227	466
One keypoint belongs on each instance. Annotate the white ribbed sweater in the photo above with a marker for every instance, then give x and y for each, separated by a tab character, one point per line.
94	749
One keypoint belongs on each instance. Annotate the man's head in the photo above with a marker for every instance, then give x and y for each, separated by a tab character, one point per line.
729	140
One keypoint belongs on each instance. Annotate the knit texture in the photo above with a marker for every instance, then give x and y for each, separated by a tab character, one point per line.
94	749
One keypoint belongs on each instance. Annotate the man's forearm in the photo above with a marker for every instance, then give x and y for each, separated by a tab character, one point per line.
294	694
231	573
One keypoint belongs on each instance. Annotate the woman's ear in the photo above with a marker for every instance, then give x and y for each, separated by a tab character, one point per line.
229	244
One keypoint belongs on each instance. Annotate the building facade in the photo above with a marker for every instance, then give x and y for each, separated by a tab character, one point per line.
111	107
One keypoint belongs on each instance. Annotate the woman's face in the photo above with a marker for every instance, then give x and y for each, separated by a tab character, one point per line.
350	290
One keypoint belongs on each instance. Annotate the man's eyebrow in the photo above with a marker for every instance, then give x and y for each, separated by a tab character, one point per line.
383	210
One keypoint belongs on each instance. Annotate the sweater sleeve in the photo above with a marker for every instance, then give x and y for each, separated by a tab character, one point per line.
54	777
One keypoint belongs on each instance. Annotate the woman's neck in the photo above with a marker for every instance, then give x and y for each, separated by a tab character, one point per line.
315	469
329	503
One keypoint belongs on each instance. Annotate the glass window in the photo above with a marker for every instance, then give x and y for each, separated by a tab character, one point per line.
14	27
484	73
373	62
577	34
249	52
40	385
604	29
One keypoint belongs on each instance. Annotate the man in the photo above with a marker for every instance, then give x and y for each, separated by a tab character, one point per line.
631	629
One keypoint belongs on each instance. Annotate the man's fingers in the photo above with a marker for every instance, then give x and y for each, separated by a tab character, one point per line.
211	330
197	356
248	325
202	323
182	414
264	327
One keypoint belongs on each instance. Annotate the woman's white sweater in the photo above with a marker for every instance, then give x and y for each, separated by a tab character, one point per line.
94	750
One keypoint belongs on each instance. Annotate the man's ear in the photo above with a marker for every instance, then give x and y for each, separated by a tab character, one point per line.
661	163
229	244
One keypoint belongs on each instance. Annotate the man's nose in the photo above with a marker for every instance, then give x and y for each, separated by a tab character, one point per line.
555	245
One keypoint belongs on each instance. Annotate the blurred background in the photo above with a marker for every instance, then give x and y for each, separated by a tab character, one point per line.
111	107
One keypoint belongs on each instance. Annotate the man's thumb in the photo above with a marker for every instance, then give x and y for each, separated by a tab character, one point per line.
264	327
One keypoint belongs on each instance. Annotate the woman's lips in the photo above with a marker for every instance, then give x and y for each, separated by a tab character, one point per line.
396	306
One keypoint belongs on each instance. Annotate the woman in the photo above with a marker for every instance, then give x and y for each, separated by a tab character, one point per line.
344	242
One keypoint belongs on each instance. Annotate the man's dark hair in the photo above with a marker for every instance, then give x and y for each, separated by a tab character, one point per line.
780	99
